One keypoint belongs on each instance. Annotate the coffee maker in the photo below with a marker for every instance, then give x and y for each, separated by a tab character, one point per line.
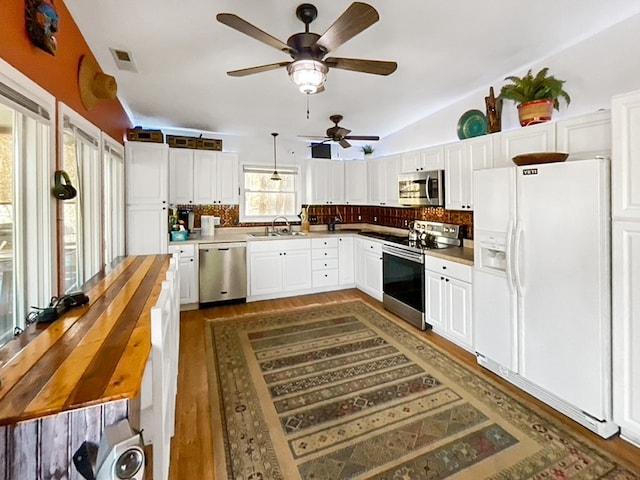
188	217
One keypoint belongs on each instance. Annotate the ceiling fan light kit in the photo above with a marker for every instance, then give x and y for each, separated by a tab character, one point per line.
308	75
309	67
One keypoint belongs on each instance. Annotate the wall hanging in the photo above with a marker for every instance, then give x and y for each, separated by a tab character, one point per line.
94	84
42	24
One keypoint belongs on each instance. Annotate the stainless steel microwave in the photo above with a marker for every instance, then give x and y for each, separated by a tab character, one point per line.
421	188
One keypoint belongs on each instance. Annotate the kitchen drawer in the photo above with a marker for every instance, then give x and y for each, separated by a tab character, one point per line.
319	253
186	250
325	278
324	242
374	247
324	264
448	268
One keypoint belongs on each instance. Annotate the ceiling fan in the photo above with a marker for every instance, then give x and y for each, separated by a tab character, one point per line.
341	135
309	68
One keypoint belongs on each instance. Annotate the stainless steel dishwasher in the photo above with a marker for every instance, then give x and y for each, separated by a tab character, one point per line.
223	271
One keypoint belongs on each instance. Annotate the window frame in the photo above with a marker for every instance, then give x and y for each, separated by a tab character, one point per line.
298	191
95	254
36	258
113	198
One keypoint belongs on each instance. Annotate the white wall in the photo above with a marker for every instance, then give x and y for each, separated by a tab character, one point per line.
595	69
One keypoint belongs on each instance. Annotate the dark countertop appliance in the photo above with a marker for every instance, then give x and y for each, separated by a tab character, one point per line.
188	217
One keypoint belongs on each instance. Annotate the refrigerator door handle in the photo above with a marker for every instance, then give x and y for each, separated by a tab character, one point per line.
510	257
517	255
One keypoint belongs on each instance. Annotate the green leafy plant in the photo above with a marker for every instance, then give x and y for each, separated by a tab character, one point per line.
539	87
367	149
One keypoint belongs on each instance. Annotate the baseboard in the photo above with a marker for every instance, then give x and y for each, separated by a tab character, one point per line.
602	427
629	437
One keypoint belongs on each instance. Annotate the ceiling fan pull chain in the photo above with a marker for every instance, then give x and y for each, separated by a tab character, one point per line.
307	106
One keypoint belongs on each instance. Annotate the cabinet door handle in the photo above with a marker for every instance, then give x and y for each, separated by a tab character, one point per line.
444	267
192	259
446	279
441	278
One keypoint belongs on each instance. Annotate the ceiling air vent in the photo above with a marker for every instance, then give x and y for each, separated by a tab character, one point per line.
124	60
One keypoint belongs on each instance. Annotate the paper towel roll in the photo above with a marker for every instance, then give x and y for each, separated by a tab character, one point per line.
207	225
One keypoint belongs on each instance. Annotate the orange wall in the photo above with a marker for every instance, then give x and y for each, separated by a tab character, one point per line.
57	74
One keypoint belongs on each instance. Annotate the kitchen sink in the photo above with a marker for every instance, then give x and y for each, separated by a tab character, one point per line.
276	234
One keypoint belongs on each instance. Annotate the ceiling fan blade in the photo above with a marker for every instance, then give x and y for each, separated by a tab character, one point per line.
237	23
377	67
358	17
371	138
251	70
344	143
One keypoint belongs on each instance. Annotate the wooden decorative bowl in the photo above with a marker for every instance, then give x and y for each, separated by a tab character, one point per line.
540	157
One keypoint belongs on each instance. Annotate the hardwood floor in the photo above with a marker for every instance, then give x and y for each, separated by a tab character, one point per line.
191	448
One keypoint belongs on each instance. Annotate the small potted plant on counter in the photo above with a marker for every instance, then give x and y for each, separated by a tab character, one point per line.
536	96
367	150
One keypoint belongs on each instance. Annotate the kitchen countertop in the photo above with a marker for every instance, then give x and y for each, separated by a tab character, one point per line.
92	354
462	255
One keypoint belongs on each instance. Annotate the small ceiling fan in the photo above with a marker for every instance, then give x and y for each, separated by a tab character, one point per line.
341	135
309	68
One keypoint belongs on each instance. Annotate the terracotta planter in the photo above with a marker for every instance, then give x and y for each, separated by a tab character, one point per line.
538	111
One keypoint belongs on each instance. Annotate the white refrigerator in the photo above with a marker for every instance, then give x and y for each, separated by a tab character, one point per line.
541	284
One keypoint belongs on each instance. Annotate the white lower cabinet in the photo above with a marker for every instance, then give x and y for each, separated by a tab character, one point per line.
188	271
346	261
277	267
369	267
448	298
626	328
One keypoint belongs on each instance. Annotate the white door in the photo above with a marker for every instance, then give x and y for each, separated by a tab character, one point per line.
373	274
534	138
377	192
205	177
454	176
180	176
296	269
147	230
355	182
359	246
188	280
459	312
435	308
479	153
266	273
625	151
228	191
626	328
346	261
390	180
147	172
562	265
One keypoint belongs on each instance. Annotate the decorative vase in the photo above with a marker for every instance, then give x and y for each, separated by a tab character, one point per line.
538	111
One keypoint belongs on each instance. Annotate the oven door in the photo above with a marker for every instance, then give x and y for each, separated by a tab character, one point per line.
403	284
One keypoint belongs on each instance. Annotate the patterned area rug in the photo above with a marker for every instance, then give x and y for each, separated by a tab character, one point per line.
342	392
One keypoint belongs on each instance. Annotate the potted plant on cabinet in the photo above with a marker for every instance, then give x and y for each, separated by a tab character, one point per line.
536	96
367	150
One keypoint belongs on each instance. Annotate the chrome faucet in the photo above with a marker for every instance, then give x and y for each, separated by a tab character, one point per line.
287	229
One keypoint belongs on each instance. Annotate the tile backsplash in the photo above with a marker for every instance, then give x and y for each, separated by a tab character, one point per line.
384	216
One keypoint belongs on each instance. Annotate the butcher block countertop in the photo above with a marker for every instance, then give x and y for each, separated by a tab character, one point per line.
92	354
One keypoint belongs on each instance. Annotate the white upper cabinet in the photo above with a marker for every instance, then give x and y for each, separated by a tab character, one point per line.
215	178
383	180
625	171
461	159
355	181
325	182
427	159
585	137
181	175
534	138
147	170
203	177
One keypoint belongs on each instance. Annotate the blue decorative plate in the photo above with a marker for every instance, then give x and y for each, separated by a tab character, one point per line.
472	124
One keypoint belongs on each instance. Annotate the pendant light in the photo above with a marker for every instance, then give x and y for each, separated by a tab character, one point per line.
275	175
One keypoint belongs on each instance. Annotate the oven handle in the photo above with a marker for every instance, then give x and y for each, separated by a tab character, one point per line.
399	252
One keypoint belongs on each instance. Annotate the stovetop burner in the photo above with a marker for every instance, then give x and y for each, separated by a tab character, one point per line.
431	235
